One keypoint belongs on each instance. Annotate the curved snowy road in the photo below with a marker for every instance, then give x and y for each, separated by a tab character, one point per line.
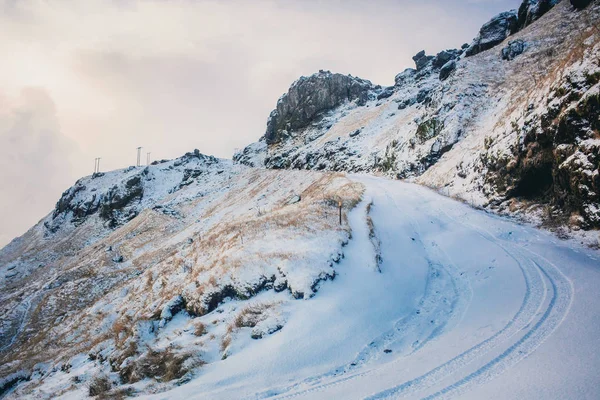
467	305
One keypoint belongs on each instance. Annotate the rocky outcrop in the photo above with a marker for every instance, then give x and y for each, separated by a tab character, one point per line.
114	207
494	32
310	96
507	23
421	60
117	197
557	161
513	49
405	130
531	10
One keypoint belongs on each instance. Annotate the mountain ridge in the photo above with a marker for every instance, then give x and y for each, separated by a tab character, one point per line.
145	278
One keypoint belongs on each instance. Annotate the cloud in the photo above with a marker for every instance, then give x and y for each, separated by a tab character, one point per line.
34	160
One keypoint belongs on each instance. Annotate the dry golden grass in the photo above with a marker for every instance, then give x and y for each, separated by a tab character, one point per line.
199	329
225	342
156	274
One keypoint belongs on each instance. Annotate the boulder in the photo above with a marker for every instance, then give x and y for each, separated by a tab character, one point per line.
385	93
295	199
309	97
421	60
355	133
531	10
580	4
447	69
513	49
444	57
494	32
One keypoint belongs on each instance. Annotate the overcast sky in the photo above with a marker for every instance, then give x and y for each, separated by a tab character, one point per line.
86	79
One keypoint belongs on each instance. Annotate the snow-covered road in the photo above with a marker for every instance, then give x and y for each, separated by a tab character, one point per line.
467	305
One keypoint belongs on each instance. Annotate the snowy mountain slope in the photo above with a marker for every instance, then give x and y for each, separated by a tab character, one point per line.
200	231
485	127
184	278
506	317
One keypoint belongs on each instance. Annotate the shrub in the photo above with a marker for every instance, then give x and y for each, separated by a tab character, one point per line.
429	129
200	329
161	365
99	385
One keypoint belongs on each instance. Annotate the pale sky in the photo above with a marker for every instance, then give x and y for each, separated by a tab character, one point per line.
86	79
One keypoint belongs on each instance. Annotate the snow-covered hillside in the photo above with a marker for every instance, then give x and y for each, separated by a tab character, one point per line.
126	252
299	269
507	122
433	299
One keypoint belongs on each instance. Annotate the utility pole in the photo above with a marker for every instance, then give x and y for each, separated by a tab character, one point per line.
340	207
147	158
97	165
139	152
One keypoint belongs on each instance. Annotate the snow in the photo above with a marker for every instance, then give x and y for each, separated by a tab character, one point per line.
415	295
464	300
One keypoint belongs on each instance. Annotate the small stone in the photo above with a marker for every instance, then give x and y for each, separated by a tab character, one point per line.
355	133
295	199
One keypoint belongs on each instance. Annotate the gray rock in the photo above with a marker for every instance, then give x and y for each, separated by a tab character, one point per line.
447	69
355	133
385	93
444	56
494	32
310	96
421	60
295	199
424	95
531	10
513	49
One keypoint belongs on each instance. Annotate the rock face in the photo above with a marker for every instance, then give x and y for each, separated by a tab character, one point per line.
421	60
531	10
309	96
117	197
557	160
507	23
494	32
514	49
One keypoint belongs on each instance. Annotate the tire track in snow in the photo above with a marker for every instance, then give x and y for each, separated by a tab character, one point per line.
534	297
554	314
437	305
532	329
